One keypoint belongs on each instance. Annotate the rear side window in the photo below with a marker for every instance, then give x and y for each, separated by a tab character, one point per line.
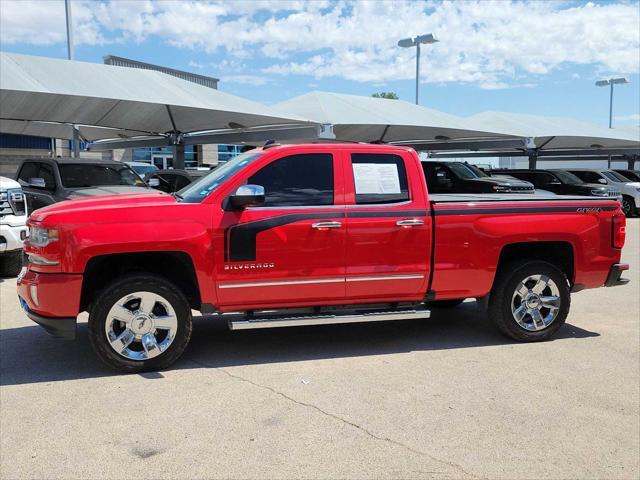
297	180
379	178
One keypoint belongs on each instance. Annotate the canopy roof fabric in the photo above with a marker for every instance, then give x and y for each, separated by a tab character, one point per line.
64	91
63	130
367	119
554	133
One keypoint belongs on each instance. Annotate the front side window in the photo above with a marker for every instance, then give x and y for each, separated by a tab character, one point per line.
379	178
46	172
77	175
297	180
28	171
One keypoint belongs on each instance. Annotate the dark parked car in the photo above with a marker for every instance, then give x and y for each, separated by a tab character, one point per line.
460	177
51	180
632	175
174	179
559	182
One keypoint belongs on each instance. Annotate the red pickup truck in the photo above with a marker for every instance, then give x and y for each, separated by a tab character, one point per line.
309	234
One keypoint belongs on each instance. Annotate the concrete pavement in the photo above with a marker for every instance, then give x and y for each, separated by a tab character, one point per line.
442	398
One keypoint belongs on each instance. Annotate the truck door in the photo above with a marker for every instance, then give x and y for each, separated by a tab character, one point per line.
388	228
291	251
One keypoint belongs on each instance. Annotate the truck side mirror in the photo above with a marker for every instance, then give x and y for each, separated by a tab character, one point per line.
602	181
37	182
247	196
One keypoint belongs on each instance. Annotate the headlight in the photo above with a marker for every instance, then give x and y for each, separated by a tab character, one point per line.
600	193
41	237
16	200
501	188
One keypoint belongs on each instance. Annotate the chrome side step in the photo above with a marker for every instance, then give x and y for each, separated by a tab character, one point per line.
347	316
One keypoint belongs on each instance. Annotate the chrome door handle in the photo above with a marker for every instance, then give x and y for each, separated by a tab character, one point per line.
325	225
411	222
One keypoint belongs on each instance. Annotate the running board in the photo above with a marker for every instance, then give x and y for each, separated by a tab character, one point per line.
350	316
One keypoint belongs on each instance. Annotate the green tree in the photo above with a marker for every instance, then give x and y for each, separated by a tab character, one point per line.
389	95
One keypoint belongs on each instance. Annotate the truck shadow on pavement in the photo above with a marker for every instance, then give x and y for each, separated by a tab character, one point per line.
29	355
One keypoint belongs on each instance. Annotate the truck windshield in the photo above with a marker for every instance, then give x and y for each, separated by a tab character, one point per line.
82	175
199	190
615	176
466	171
567	177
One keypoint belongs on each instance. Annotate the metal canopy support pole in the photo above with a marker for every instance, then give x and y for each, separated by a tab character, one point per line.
610	104
631	163
178	156
609	161
533	159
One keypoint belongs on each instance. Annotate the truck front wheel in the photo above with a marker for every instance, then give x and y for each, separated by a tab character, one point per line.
530	301
140	322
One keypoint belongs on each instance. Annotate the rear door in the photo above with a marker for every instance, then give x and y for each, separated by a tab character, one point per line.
291	251
388	228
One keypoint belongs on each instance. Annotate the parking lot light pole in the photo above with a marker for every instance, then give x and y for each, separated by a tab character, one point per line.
611	82
70	55
415	42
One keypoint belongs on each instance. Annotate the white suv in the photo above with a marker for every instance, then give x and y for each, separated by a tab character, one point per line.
13	228
630	190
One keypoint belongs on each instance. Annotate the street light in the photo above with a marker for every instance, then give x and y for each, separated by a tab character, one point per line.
611	82
415	42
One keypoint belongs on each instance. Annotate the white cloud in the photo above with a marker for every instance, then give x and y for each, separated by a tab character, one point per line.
634	117
495	44
256	80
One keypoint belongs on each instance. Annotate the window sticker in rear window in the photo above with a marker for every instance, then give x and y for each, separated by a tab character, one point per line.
376	178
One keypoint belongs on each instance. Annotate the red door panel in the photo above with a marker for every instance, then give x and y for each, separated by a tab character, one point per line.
270	257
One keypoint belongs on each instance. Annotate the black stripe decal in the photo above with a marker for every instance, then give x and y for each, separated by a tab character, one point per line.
481	210
389	213
241	243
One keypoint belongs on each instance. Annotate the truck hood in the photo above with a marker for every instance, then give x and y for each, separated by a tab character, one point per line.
6	183
104	190
146	198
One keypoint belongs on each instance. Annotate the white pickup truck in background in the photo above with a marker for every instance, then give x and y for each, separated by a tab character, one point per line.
13	228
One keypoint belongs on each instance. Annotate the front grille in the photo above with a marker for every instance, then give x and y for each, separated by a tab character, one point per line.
521	189
12	203
613	193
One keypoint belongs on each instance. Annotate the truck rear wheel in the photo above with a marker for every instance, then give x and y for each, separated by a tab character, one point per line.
530	301
140	322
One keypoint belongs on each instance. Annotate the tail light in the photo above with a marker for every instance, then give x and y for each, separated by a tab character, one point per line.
619	231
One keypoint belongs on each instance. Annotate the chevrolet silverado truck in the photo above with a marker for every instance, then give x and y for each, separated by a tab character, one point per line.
309	234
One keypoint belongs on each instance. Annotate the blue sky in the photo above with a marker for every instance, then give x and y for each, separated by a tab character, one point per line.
526	57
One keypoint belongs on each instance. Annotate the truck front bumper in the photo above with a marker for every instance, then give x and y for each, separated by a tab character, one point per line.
615	272
58	327
52	300
12	237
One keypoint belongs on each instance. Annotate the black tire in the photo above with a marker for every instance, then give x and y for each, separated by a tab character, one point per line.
500	301
11	264
118	289
446	303
628	206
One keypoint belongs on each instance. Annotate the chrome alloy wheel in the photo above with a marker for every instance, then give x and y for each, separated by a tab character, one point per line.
141	325
535	302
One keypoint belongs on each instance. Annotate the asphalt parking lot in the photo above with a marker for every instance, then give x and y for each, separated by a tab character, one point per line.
442	398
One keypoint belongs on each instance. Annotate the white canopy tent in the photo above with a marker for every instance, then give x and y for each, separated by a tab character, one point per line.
70	92
367	119
64	131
